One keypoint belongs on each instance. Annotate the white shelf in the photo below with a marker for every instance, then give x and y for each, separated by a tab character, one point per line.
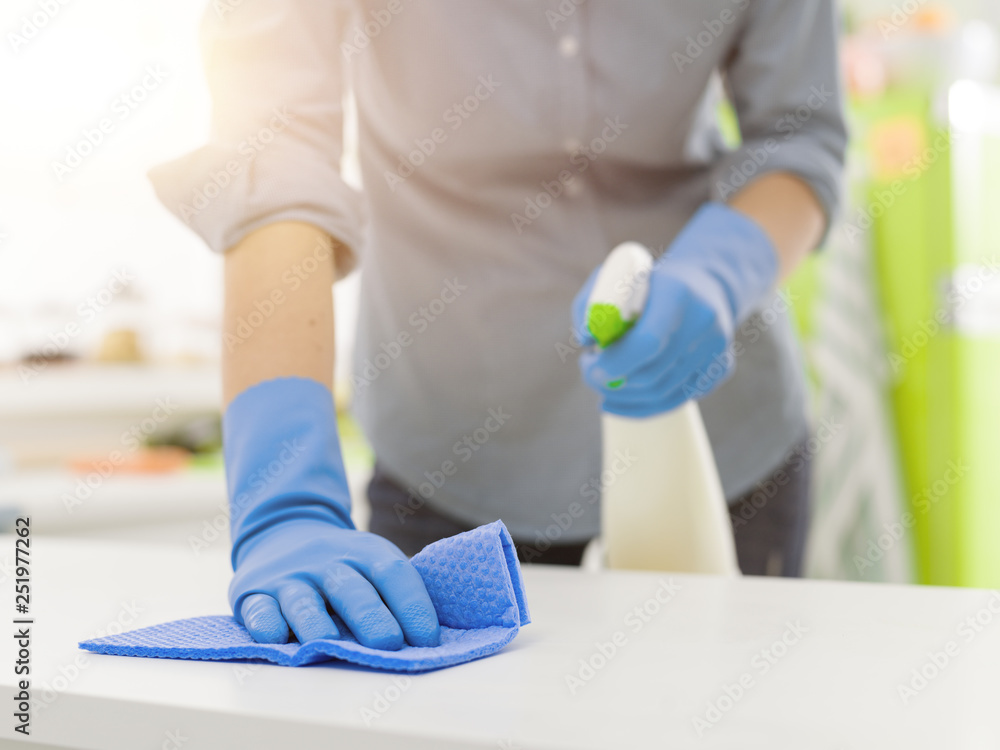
63	390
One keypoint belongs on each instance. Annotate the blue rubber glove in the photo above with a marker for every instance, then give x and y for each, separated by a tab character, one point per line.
715	273
295	549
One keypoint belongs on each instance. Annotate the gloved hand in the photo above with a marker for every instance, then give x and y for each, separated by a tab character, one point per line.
295	549
709	281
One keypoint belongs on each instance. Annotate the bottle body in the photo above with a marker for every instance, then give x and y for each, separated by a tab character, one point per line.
662	502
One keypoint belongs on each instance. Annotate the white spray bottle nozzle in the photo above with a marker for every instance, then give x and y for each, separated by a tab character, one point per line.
619	293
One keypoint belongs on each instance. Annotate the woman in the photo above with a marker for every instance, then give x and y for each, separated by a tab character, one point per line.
505	149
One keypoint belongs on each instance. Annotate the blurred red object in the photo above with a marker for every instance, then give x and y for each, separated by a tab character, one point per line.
157	460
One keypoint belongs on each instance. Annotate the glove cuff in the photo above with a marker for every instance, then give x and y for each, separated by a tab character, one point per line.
283	459
734	249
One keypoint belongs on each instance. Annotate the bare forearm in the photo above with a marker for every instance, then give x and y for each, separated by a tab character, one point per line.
278	315
788	211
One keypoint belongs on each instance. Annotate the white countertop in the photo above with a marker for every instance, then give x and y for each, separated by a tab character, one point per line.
832	684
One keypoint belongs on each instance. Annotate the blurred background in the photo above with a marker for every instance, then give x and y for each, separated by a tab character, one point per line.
110	307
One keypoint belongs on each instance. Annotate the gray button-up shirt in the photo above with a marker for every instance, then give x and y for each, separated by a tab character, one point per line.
506	147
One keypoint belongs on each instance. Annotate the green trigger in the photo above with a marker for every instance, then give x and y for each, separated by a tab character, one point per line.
606	325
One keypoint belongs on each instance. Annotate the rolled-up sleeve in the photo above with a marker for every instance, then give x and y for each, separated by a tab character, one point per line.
276	81
783	78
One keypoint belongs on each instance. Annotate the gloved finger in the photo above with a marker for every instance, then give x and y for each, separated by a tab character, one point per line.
698	380
706	380
677	354
694	376
651	404
658	340
624	357
670	310
359	605
699	322
704	360
698	385
601	376
305	611
261	616
587	361
404	593
596	376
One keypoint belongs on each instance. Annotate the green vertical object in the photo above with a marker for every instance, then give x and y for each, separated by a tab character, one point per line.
975	356
911	243
978	397
945	396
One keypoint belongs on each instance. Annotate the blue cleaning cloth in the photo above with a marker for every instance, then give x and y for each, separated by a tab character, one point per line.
473	579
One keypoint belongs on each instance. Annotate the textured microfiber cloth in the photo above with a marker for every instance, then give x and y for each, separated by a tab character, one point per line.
473	579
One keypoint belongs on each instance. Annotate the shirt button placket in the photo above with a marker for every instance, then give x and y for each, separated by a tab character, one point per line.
573	92
569	46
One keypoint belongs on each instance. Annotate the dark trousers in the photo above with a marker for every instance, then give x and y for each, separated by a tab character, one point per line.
770	522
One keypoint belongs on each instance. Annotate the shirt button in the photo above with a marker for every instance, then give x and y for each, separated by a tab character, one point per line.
572	145
569	46
574	187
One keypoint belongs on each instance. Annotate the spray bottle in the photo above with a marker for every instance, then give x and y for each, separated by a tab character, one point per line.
666	510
